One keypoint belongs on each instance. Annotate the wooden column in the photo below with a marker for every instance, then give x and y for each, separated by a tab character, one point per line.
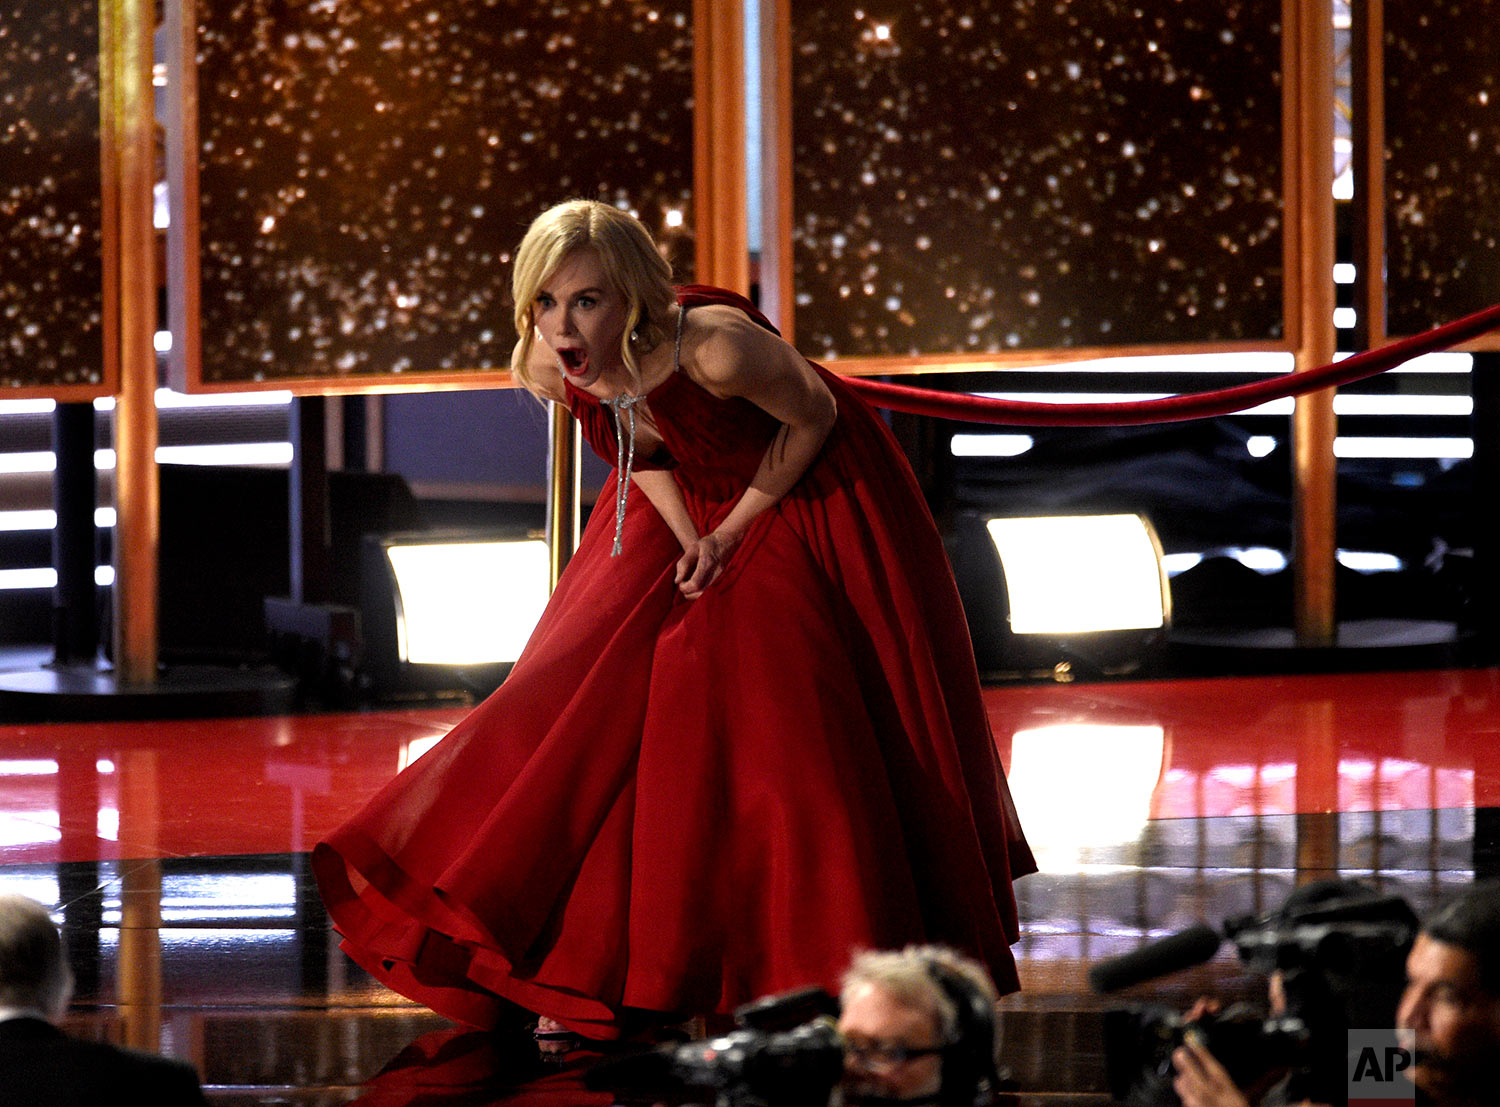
126	31
1367	102
564	444
777	294
721	224
1310	65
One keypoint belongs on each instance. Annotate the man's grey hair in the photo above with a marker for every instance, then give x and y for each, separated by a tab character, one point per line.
34	971
911	977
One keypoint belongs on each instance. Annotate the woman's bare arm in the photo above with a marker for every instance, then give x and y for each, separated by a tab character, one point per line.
736	357
660	487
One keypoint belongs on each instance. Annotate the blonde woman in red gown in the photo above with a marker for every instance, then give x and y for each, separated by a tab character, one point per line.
746	737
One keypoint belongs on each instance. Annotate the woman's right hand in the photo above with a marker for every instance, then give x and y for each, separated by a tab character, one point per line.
703	561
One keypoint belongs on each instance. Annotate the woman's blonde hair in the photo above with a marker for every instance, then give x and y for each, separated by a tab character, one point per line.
632	264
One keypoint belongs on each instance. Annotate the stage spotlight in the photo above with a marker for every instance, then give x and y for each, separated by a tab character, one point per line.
1084	573
1067	594
447	609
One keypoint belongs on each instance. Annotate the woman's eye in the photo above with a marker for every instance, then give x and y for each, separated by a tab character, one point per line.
544	301
585	301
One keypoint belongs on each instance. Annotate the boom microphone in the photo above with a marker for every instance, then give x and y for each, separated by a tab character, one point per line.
1182	950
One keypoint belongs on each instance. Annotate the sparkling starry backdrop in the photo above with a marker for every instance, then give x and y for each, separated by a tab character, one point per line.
365	170
1015	174
51	272
1442	163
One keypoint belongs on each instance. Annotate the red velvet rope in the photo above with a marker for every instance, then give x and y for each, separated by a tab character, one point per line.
1171	409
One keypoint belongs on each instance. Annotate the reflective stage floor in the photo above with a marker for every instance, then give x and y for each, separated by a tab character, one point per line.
176	854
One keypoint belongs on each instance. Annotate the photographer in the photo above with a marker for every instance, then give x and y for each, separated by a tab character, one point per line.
1333	956
919	1027
915	1028
1452	1000
1328	970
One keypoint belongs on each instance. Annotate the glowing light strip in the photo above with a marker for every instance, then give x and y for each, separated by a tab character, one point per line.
45	579
1263	364
27	407
225	453
228	453
10	521
1357	404
17	580
34	461
1382	448
1269	364
1446	362
167	399
1350	404
990	445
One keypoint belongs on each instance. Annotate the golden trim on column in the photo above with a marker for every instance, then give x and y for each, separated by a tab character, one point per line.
777	275
564	444
1310	87
1367	95
721	223
126	31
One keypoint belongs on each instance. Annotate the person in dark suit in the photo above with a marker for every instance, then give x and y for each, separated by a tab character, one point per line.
40	1066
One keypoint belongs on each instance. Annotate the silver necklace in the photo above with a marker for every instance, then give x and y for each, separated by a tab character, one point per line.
625	460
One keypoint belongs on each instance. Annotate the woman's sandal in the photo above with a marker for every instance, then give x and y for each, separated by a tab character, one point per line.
553	1037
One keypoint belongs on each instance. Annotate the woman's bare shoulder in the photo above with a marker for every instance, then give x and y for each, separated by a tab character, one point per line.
719	342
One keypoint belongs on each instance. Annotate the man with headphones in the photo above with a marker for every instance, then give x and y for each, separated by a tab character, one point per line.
919	1027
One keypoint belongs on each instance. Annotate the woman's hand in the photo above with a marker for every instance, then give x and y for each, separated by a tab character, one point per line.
703	561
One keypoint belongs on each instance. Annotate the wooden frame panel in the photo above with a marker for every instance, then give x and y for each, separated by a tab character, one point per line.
441	157
59	244
1457	128
777	267
719	144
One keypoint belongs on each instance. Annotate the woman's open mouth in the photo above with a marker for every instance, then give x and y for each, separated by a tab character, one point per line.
573	360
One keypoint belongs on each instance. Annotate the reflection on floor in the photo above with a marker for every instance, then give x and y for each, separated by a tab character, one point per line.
176	855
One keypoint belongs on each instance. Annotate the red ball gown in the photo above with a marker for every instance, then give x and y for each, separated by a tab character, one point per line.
679	806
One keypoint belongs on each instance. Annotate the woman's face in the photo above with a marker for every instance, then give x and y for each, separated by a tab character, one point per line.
581	317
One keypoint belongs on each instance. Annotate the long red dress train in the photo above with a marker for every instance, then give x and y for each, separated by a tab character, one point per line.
679	806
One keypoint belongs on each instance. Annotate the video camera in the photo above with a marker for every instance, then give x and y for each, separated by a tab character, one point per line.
786	1051
1340	950
751	1068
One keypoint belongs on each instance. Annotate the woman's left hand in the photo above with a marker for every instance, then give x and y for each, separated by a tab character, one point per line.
703	561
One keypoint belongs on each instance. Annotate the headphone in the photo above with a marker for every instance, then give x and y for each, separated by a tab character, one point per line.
969	1073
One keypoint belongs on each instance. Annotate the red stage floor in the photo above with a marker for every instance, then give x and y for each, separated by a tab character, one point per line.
1390	742
1151	805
